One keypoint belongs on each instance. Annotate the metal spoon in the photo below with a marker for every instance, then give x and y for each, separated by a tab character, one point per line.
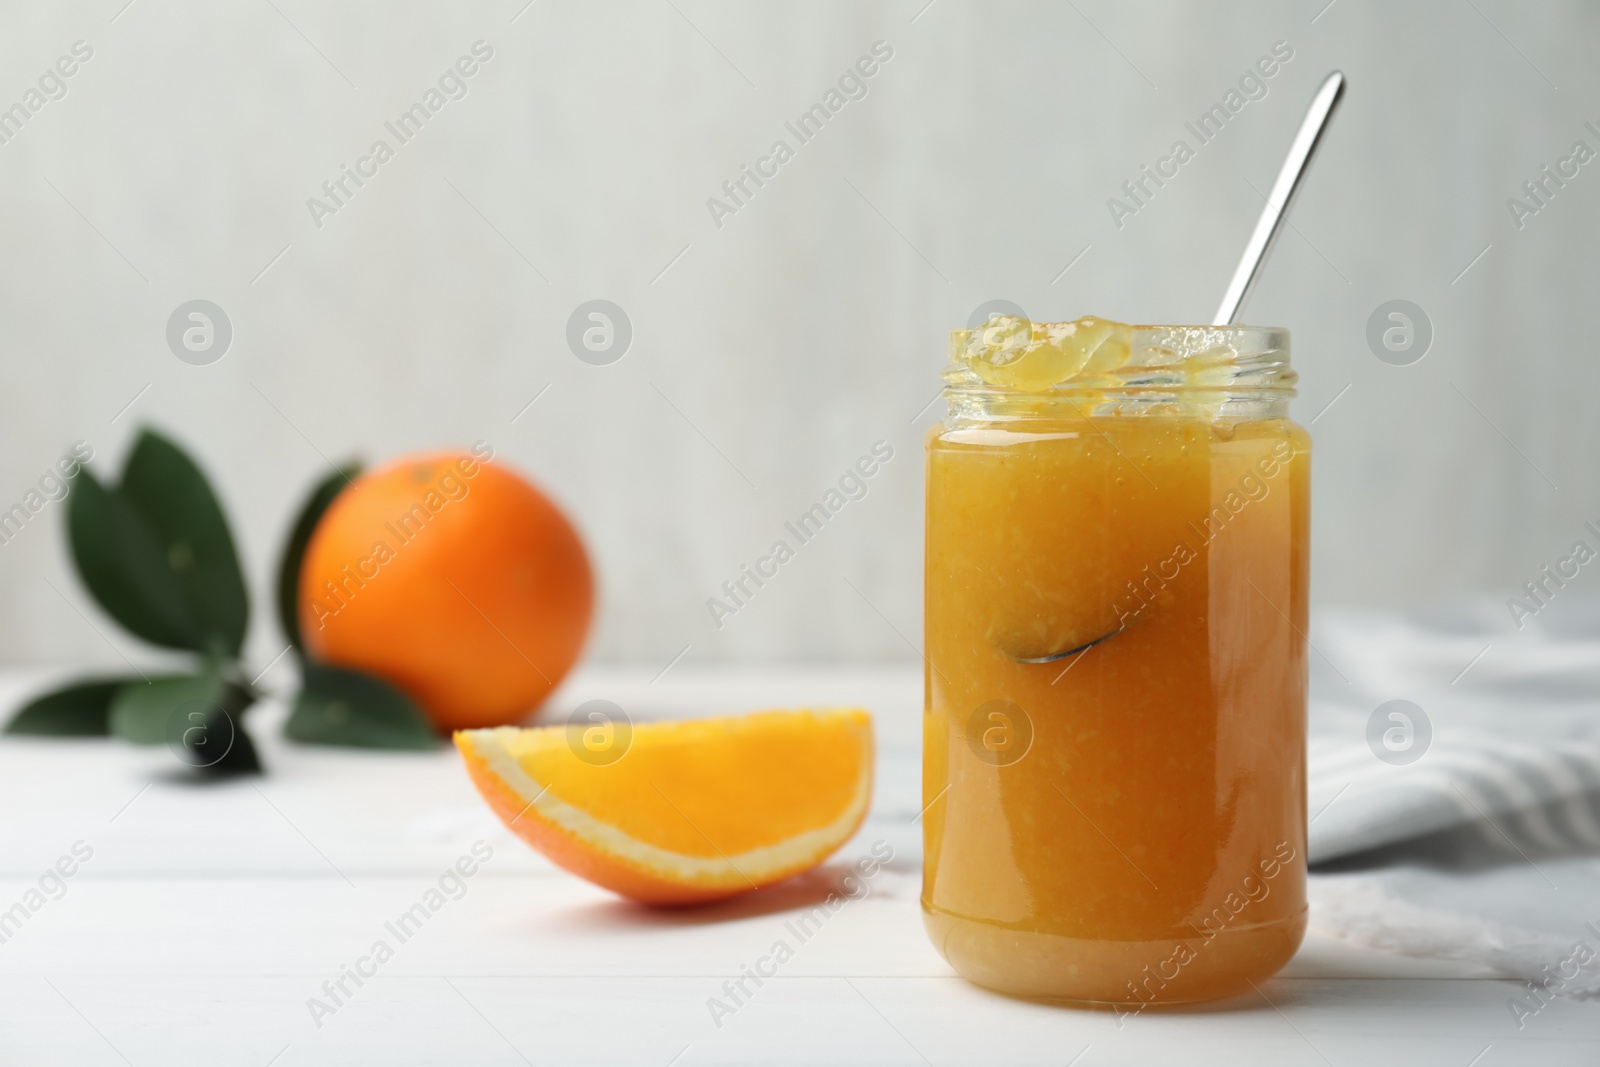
1283	190
1052	657
1255	253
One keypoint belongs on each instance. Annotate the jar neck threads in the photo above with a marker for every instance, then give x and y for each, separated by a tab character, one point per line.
1230	373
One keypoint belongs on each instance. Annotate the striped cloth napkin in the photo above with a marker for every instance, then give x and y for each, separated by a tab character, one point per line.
1454	788
1498	724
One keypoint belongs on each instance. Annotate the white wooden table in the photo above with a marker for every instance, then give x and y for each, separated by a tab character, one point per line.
209	914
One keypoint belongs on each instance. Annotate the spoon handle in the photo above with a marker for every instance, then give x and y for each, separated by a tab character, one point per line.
1283	190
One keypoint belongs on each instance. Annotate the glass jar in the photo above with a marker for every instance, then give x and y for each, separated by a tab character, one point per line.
1114	729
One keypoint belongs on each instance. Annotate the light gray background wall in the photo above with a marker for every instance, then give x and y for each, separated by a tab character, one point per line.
774	350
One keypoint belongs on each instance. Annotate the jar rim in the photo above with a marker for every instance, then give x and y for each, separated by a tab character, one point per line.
1167	359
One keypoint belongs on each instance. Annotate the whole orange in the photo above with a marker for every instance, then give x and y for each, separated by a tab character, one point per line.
452	578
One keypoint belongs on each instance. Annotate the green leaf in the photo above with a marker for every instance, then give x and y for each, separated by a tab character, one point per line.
142	712
294	552
174	498
337	706
78	710
216	742
199	716
123	563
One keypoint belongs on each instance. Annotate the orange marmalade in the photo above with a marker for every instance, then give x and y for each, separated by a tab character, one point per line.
1114	730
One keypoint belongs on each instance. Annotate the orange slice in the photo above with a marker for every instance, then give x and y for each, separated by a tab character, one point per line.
690	811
